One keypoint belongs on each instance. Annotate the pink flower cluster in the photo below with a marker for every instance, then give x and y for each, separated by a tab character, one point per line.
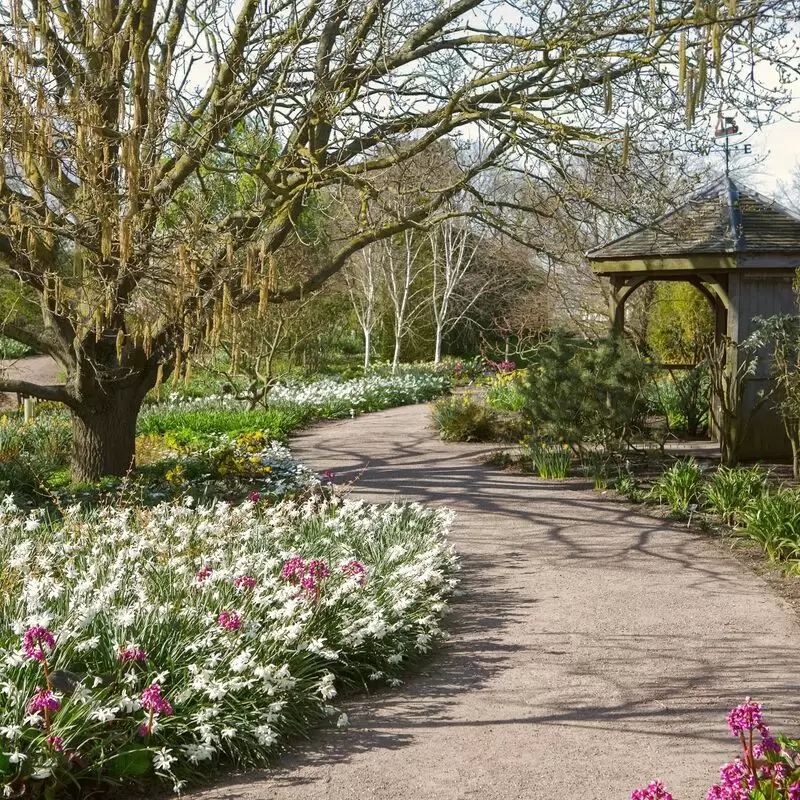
229	620
328	475
764	769
254	497
307	574
153	701
736	782
56	742
132	654
203	573
355	569
35	640
653	791
43	700
499	366
746	717
245	582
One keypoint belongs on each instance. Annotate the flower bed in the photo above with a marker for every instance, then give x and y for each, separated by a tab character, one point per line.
144	643
322	398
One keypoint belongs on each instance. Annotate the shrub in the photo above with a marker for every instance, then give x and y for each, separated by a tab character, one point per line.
732	490
773	520
157	643
591	393
460	418
765	770
681	486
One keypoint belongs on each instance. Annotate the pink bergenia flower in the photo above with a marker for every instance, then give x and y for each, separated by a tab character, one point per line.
230	620
35	640
746	717
153	701
132	654
653	791
794	791
318	569
309	575
328	475
355	569
203	573
245	582
43	700
56	742
736	780
293	569
254	497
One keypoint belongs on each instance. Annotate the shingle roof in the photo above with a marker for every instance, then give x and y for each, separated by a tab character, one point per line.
725	218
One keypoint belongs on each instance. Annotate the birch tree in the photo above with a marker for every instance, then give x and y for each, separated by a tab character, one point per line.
402	267
363	279
453	249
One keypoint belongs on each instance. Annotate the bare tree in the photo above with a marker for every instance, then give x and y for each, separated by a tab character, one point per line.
116	114
364	280
453	248
402	267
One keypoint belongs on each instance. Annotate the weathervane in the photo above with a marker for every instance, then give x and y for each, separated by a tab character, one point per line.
727	127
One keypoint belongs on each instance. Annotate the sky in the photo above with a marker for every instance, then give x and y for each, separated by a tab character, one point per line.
780	143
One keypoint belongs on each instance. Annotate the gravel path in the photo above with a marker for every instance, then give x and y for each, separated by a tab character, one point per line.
36	369
594	648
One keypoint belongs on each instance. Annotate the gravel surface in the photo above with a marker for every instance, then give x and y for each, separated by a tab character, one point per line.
593	650
36	369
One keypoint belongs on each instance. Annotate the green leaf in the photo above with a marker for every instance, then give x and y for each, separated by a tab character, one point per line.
132	761
5	764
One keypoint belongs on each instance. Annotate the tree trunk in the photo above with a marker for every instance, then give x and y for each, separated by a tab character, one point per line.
104	438
437	355
396	356
367	347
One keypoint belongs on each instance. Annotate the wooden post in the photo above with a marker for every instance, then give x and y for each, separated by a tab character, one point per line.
617	301
27	409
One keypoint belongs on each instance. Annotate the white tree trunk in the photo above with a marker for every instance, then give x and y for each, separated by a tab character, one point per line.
367	347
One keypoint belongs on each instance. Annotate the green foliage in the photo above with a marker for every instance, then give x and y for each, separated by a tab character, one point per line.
10	348
461	418
683	397
30	453
626	485
732	490
550	461
595	465
505	391
681	324
681	486
588	393
773	520
190	426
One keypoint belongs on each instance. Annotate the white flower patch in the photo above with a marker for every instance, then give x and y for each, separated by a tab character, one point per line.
145	648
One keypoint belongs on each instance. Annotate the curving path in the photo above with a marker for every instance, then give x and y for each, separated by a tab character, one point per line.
594	648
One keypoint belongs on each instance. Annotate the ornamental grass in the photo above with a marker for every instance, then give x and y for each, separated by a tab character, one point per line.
157	644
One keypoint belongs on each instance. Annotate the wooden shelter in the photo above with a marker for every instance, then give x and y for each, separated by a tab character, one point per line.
741	250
